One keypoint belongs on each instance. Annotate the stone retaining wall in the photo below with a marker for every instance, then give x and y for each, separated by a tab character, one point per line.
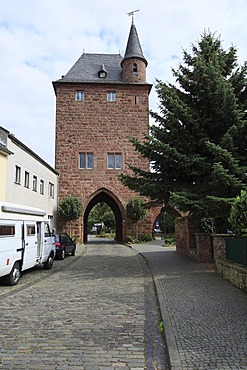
231	271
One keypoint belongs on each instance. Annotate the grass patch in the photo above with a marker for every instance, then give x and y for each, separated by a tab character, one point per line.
161	327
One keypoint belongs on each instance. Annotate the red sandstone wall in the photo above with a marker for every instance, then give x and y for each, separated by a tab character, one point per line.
95	125
128	74
185	229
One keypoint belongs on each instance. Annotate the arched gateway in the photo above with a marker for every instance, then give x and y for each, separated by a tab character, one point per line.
109	198
101	102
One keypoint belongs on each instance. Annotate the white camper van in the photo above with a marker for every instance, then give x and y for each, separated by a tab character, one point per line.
25	241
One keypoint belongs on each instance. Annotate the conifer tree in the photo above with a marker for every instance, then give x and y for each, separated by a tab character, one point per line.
197	147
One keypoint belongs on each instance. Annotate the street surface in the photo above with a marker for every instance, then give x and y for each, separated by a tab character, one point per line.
99	311
94	311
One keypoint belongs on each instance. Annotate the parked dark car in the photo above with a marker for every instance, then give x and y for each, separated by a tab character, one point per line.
64	245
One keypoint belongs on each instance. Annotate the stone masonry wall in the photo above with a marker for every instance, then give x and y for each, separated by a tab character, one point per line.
98	126
128	74
231	271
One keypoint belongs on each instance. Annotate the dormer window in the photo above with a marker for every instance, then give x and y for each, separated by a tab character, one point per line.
102	72
135	69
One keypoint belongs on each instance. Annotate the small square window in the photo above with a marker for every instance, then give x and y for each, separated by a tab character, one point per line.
86	160
79	95
102	74
111	96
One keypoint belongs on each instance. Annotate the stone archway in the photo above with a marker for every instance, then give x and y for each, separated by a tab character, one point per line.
105	196
173	212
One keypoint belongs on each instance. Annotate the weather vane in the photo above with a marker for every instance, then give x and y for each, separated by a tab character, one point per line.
132	13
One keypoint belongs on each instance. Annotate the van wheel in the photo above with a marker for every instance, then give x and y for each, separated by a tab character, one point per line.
14	276
48	264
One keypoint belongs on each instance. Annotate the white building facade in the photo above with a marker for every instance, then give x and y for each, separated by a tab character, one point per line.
26	179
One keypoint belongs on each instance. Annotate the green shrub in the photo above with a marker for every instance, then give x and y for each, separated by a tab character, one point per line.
238	214
170	240
145	237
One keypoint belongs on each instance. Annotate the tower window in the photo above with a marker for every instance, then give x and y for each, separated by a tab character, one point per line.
79	95
135	69
86	160
114	161
111	96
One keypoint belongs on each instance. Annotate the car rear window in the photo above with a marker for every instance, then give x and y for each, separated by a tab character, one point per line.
56	238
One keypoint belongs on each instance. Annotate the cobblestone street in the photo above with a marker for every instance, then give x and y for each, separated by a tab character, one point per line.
99	312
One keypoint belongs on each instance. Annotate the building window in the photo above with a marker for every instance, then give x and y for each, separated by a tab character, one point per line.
51	190
111	96
135	69
114	161
136	100
42	186
35	183
102	74
86	160
17	174
26	179
79	95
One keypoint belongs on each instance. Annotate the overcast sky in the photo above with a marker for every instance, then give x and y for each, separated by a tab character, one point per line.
40	40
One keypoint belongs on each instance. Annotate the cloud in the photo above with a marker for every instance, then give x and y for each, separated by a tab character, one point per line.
40	40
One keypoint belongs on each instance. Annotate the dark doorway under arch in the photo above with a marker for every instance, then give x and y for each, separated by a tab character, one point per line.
104	197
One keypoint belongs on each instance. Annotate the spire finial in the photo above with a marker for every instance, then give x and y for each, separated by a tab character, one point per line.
132	13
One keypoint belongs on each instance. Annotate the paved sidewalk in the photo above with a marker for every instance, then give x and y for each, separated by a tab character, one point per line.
205	317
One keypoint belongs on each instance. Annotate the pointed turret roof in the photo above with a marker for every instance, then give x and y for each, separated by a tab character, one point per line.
87	67
133	48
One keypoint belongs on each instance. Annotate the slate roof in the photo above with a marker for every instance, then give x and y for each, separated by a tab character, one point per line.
133	48
88	65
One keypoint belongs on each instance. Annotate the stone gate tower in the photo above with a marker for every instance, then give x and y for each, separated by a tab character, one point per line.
101	102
